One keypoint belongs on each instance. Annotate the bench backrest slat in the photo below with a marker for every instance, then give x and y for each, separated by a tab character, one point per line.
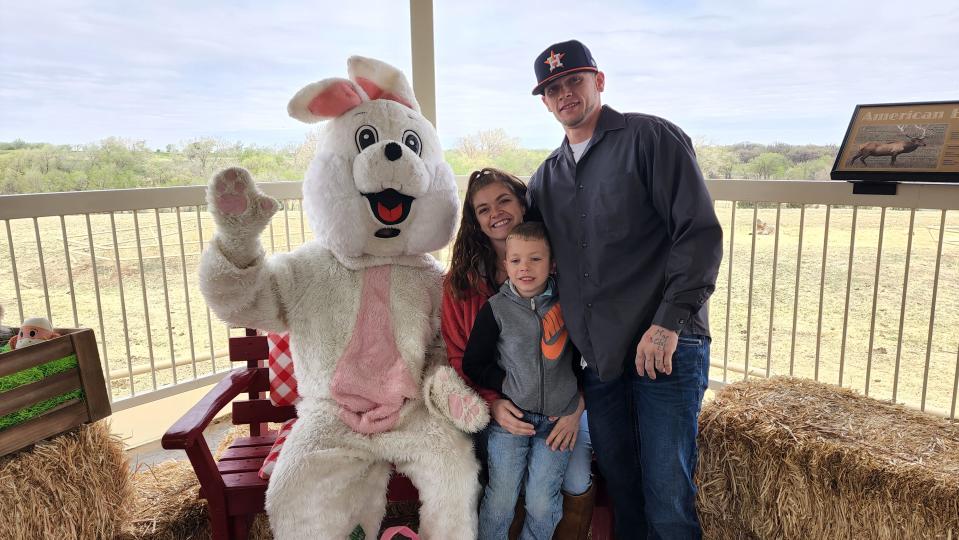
260	410
260	382
248	348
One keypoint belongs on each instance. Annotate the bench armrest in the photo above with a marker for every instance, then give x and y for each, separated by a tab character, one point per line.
189	428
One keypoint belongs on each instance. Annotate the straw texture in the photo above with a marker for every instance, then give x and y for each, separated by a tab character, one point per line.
75	485
166	506
791	458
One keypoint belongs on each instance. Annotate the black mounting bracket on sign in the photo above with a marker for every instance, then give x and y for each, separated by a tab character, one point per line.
874	188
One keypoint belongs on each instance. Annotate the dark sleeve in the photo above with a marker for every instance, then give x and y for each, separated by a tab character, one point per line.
479	358
532	208
679	195
577	365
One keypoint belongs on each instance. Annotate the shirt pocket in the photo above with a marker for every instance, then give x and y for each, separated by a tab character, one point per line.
619	206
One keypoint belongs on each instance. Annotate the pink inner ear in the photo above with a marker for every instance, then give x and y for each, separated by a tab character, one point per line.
375	92
335	100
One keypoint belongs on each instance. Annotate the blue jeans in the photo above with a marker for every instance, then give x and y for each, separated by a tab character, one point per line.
510	458
579	472
644	434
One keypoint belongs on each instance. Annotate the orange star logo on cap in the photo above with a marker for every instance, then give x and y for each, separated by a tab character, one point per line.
554	60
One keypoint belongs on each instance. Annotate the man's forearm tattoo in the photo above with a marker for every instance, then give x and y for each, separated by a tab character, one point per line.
659	339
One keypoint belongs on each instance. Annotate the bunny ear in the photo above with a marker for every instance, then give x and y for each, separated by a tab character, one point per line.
325	99
382	81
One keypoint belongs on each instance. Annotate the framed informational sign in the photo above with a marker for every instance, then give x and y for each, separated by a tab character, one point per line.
901	142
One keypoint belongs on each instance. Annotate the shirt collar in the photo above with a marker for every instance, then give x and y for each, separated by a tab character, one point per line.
547	292
609	120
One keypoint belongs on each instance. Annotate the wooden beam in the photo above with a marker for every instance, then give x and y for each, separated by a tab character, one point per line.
424	60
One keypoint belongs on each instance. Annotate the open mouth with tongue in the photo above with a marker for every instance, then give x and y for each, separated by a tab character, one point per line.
391	208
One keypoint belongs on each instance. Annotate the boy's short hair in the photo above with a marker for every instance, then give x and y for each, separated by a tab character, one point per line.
530	230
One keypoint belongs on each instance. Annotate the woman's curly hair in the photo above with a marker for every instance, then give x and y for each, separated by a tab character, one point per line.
474	258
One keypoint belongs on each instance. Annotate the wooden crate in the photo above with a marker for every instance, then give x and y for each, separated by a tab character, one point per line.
88	376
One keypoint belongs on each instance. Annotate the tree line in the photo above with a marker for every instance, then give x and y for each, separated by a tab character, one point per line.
115	163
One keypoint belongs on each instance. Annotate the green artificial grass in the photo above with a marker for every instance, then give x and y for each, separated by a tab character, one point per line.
36	373
31	375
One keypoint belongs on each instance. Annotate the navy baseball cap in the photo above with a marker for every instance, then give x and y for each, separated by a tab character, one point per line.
561	59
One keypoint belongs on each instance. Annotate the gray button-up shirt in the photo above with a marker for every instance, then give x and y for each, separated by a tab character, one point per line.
634	234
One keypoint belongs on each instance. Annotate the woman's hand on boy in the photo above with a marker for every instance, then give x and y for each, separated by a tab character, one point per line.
510	417
564	433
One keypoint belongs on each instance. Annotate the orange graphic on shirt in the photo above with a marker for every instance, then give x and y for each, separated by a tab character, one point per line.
554	333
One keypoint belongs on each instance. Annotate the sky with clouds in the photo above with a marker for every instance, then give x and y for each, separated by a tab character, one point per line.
78	71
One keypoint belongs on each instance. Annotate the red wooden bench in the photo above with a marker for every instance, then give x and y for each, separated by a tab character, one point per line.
233	490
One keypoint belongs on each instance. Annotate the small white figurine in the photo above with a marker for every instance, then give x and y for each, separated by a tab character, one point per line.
33	330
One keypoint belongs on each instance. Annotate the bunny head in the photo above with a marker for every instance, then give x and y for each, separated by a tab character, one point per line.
378	184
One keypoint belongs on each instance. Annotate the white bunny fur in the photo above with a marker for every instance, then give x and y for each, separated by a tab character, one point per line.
330	477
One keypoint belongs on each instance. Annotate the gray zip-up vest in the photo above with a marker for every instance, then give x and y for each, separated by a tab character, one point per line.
536	353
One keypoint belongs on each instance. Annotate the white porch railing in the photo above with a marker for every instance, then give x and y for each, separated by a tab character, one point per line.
856	290
124	262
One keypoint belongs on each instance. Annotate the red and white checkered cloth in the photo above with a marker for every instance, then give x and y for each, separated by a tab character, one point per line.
282	380
282	392
267	469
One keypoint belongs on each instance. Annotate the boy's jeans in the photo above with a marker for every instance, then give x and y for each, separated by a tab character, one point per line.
644	434
510	458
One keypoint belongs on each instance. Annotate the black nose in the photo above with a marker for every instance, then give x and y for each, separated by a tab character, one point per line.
393	151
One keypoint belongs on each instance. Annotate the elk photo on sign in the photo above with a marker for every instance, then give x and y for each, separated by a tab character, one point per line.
891	148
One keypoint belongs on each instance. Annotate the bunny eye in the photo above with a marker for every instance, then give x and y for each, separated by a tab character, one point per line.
33	333
365	136
412	141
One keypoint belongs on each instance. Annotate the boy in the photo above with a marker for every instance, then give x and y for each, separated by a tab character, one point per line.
519	347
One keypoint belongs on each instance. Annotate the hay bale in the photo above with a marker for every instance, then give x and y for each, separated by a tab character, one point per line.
75	485
167	503
792	458
167	506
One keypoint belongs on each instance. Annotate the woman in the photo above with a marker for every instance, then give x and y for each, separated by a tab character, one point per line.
495	203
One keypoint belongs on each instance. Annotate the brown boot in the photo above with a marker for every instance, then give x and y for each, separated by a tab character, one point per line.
577	516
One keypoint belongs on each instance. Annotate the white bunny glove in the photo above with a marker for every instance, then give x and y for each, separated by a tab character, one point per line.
241	212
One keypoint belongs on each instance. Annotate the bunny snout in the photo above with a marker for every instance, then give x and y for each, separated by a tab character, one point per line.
388	165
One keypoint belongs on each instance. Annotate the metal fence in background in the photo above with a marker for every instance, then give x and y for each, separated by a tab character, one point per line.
124	262
856	290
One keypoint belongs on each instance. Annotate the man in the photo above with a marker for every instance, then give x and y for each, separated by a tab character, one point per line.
638	247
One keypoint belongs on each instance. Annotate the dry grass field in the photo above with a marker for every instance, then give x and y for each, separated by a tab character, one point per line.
853	325
861	331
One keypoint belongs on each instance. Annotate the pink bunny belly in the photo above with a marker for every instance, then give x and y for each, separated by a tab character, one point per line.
372	382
